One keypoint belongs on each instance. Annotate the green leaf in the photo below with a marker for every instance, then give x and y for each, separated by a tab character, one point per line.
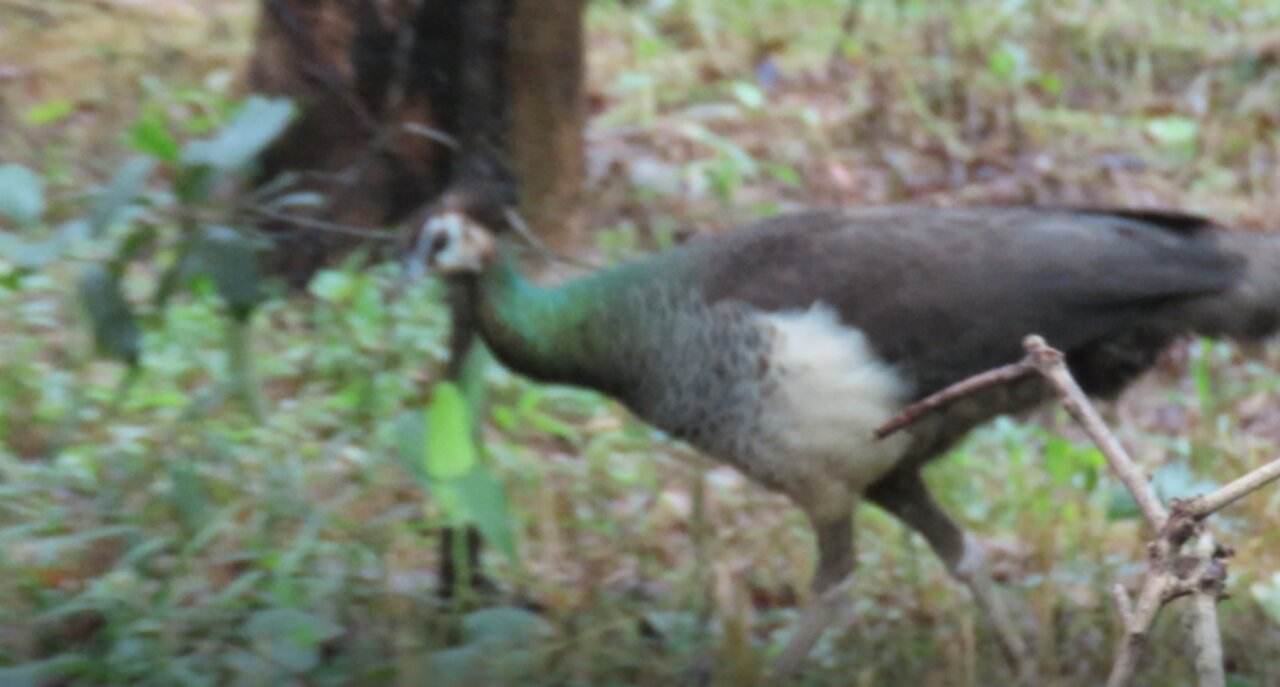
21	195
1120	504
28	255
115	329
332	286
461	666
259	122
1268	596
48	113
1004	63
231	260
451	449
748	94
1176	480
1179	134
786	174
150	135
53	670
291	638
484	500
1058	460
190	499
124	188
509	625
1202	375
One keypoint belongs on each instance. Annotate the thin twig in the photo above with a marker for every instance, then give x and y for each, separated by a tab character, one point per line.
1124	605
1204	615
912	413
1171	572
1201	507
1052	364
322	225
1150	600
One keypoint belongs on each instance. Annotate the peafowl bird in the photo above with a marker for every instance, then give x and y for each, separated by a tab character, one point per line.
780	347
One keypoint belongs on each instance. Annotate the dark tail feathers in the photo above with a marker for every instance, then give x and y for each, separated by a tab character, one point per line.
1250	310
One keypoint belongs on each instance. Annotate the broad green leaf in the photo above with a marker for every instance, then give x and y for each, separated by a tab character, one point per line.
451	449
259	122
48	113
115	330
1179	134
21	195
150	135
332	286
1059	461
291	638
505	625
28	255
748	94
411	442
1268	596
49	671
1008	62
193	185
136	242
124	188
1065	460
176	273
484	500
461	666
190	499
495	652
229	258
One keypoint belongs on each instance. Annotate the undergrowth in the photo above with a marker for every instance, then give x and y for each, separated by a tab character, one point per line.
170	534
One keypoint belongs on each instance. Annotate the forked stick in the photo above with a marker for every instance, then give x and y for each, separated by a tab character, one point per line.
1172	571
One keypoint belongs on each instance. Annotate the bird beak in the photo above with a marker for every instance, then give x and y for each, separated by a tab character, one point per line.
413	265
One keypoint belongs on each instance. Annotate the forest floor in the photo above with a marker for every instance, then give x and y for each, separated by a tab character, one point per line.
174	539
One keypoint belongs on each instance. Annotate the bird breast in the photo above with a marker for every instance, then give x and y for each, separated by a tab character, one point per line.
791	398
826	392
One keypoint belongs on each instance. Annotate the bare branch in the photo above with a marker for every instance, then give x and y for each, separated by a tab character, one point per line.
912	413
1171	572
1204	614
1150	600
1201	507
1052	364
1123	604
324	226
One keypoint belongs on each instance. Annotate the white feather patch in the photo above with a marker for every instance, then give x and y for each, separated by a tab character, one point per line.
832	392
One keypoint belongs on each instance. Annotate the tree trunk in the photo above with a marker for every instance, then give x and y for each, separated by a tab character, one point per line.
405	103
403	100
548	113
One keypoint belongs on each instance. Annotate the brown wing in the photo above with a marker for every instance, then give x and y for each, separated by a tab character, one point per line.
947	293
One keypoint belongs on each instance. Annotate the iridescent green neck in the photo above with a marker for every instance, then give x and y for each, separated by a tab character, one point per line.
547	333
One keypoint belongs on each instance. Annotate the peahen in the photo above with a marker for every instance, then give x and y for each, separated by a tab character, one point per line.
780	347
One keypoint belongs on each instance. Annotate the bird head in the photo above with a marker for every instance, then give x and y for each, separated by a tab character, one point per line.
450	243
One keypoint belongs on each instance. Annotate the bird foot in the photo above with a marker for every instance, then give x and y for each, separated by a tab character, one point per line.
816	617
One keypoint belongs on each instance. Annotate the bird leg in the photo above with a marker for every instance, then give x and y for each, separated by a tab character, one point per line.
905	495
830	585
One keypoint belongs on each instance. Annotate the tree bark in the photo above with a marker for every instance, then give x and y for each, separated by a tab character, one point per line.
548	114
402	101
409	103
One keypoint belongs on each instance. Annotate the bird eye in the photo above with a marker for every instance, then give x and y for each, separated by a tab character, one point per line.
438	243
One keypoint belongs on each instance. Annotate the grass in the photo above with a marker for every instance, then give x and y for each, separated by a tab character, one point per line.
175	539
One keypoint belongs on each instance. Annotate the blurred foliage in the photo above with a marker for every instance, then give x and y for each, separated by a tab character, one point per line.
207	481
